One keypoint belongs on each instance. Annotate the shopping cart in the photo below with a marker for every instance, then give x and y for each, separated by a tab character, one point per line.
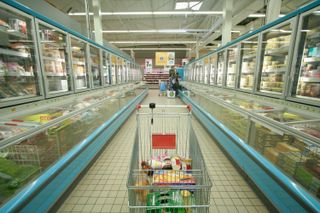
167	169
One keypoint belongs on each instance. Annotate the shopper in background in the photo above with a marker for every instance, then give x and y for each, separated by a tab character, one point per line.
172	73
176	85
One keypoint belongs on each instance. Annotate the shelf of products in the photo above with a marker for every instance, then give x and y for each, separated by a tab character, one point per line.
95	60
54	55
231	66
220	68
248	56
308	78
19	77
213	69
274	60
153	79
80	71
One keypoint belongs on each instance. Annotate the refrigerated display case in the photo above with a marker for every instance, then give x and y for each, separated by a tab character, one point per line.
306	83
213	69
275	56
29	155
220	68
19	65
288	138
248	61
231	71
55	60
113	70
95	65
79	64
106	68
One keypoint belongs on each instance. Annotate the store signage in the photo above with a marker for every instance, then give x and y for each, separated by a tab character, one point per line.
165	58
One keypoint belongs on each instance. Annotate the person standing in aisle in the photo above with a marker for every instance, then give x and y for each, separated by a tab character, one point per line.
176	85
172	73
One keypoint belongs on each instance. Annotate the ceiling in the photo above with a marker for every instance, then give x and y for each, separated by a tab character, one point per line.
200	28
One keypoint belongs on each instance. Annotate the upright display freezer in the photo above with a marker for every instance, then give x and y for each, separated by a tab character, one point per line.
306	84
95	65
79	64
213	69
248	62
220	68
19	65
106	68
275	56
55	60
231	71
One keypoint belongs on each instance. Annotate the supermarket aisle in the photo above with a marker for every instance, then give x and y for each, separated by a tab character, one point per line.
103	187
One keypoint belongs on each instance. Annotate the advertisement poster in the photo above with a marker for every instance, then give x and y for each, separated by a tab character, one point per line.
148	64
171	57
165	58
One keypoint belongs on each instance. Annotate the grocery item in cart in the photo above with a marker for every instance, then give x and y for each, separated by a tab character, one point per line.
172	177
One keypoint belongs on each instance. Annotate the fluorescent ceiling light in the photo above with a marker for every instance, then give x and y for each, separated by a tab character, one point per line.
157	31
153	42
261	15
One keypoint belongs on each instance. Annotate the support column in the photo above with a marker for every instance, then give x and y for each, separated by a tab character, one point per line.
87	18
273	10
97	21
227	21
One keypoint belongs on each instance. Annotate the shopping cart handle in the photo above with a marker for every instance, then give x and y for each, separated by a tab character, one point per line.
152	105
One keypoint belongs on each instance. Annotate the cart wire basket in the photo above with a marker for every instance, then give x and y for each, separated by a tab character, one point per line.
167	170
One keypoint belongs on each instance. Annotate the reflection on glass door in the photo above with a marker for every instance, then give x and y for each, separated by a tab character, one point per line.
232	66
248	56
220	68
18	65
307	82
213	69
274	61
80	72
113	70
55	63
95	66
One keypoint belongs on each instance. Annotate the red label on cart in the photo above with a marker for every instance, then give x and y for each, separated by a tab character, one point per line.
163	141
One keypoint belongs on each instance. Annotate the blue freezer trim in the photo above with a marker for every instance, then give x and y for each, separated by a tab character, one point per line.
31	12
283	193
43	193
264	27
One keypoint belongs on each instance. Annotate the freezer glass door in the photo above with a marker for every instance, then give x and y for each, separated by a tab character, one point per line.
232	66
18	64
80	72
307	82
201	72
213	69
274	59
106	67
95	66
220	68
55	63
248	57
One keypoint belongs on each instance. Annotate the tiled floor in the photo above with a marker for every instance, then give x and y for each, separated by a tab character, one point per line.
103	188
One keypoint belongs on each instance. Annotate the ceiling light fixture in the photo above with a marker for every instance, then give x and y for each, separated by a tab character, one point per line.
157	31
261	15
150	13
153	42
